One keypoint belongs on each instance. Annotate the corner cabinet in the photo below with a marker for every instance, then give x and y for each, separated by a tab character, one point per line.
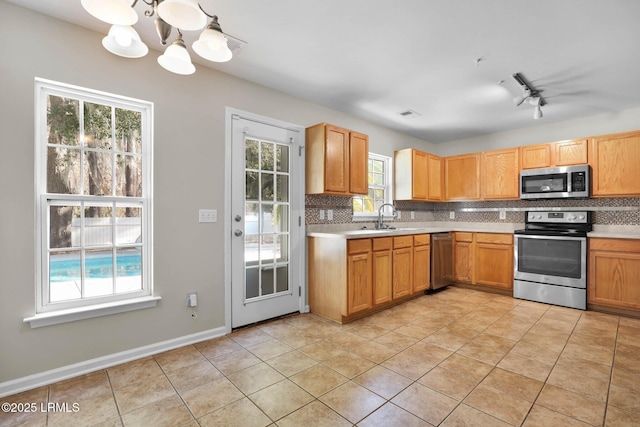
614	275
418	175
462	177
351	278
614	160
336	161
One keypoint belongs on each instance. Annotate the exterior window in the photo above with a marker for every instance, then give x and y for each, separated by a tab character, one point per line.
93	172
379	188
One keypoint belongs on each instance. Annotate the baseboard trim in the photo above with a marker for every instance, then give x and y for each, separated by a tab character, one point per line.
65	372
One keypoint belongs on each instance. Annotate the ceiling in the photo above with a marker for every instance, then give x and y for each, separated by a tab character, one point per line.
443	59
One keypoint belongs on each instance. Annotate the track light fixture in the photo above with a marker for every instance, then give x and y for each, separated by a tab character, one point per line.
529	94
184	15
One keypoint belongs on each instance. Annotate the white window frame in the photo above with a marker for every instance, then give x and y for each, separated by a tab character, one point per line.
59	312
388	190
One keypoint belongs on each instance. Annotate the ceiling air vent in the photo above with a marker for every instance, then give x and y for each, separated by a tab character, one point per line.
410	114
234	43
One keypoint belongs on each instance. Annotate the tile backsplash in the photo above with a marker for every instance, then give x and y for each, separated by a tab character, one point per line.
610	211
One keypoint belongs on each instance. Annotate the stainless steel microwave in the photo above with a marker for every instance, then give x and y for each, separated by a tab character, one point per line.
556	183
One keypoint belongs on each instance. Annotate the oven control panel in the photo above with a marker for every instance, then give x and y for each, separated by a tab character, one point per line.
556	217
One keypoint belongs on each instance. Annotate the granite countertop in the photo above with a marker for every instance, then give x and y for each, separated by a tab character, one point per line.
353	231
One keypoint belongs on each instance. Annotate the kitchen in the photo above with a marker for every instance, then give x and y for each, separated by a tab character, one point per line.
182	129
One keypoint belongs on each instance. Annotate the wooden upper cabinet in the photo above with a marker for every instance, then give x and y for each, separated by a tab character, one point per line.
410	174
614	160
569	153
462	177
501	169
435	176
336	161
562	153
536	156
418	175
358	163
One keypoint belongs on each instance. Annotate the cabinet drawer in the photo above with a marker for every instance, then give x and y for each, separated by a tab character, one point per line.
421	239
382	243
356	246
614	245
464	237
505	239
402	242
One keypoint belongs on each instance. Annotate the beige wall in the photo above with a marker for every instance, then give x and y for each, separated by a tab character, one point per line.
601	124
189	174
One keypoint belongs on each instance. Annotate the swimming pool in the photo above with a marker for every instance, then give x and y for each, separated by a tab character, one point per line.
65	270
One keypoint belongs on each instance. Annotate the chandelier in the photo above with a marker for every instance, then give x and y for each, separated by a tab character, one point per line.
184	15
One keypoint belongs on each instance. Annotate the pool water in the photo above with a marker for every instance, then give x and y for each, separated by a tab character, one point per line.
95	268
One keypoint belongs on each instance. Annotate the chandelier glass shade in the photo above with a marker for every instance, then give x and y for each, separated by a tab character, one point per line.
183	15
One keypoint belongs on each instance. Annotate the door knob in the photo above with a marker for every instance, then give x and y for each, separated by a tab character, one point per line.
237	218
238	233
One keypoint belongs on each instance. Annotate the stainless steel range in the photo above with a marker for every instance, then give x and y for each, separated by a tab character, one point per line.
550	258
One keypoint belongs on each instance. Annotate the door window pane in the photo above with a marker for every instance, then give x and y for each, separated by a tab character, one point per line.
252	154
282	278
252	286
267	281
282	188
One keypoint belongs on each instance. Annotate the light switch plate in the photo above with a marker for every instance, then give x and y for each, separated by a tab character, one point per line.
330	214
503	215
452	214
413	215
321	214
399	215
207	215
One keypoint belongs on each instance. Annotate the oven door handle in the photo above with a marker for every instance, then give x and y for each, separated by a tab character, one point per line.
543	237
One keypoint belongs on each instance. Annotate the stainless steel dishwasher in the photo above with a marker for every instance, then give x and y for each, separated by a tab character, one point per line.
441	260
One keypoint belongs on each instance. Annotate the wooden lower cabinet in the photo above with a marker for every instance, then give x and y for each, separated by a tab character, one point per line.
484	259
359	283
402	266
614	273
421	262
382	267
462	257
494	260
352	278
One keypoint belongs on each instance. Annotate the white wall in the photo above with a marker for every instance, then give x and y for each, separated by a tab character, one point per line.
189	174
601	124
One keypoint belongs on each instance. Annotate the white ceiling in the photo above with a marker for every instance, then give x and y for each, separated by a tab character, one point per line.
377	58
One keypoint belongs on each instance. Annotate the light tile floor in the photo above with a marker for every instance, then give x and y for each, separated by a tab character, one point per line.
458	357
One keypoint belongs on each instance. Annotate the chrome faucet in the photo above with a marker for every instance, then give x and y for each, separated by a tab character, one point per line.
380	224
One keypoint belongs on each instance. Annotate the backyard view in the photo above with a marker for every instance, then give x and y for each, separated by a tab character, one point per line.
93	242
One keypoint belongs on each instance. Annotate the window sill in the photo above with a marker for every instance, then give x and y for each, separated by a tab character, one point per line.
88	312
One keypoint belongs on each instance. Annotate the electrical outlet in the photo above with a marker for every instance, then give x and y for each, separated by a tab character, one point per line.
503	215
413	215
452	214
329	214
321	214
207	215
399	215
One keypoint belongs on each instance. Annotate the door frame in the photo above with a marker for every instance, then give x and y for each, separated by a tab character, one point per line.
301	243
